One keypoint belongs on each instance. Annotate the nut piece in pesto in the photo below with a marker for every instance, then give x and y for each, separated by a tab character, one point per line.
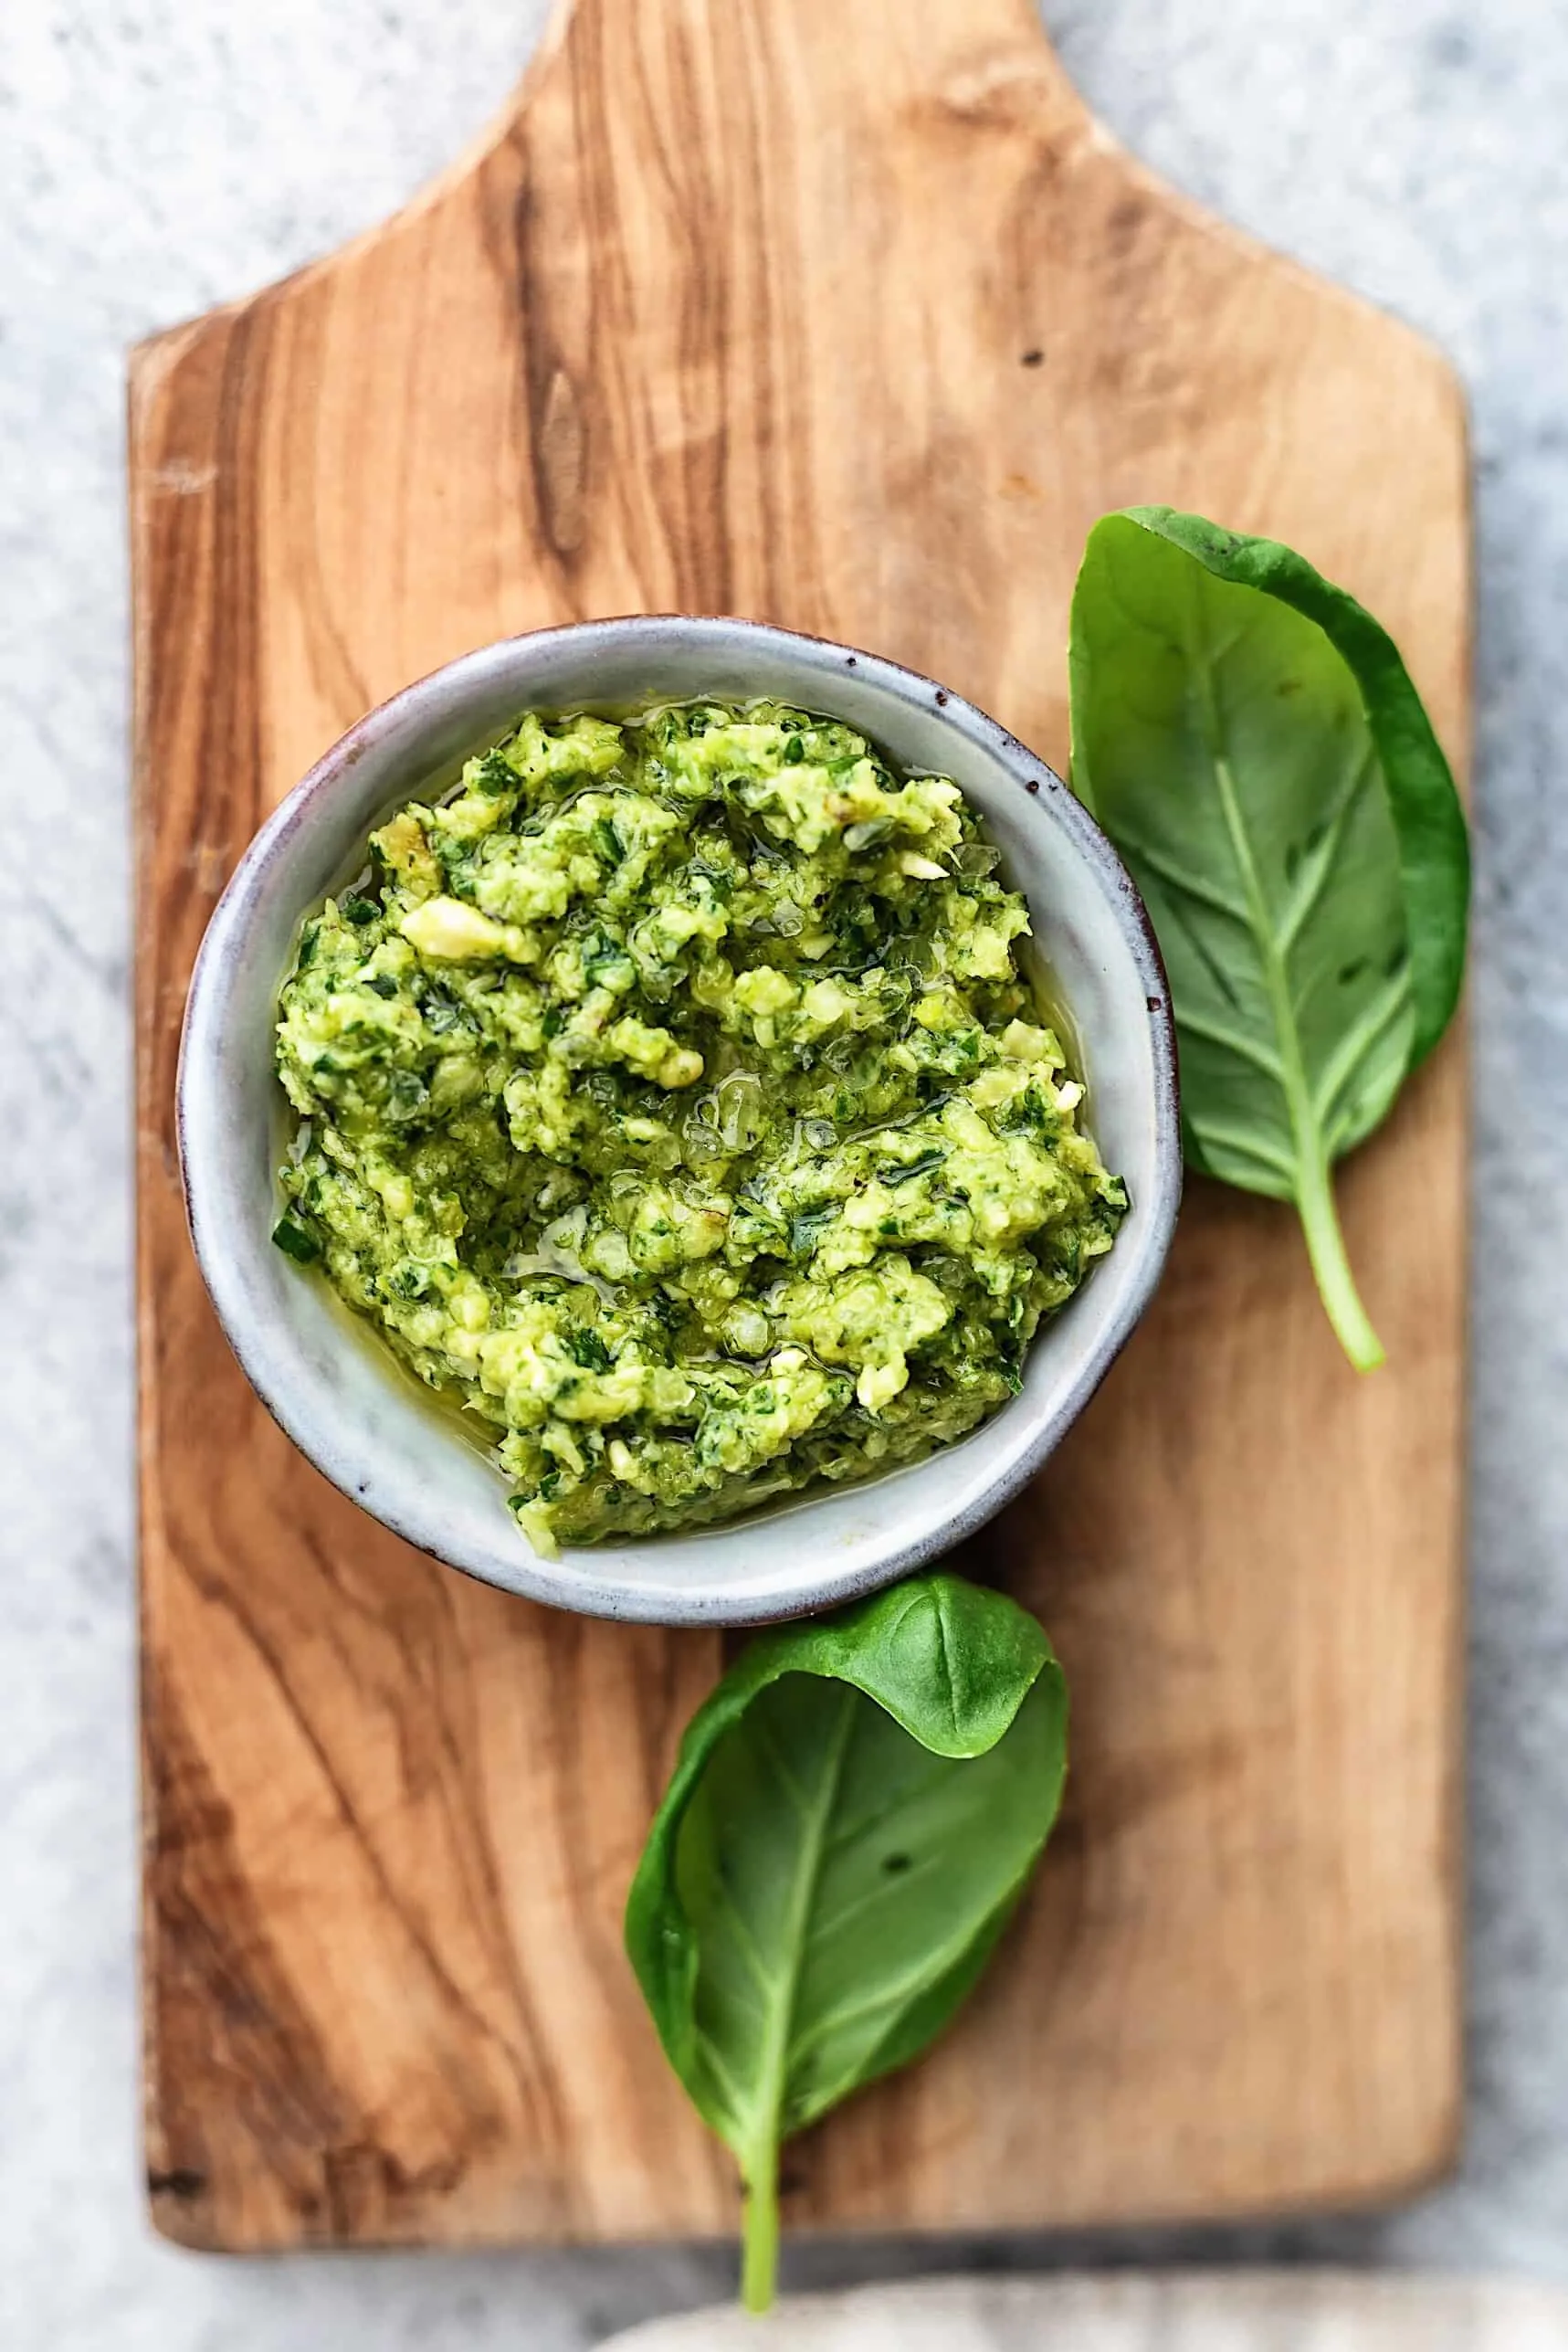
670	1100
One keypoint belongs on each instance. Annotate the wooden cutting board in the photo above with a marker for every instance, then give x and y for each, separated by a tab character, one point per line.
841	314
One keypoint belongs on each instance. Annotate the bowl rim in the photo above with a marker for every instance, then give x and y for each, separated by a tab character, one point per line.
559	1583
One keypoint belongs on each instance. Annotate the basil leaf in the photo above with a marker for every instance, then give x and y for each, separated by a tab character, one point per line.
854	1814
1249	738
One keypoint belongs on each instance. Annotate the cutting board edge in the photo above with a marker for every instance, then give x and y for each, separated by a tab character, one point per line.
1397	2187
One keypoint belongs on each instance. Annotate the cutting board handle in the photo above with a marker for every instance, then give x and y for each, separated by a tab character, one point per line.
980	59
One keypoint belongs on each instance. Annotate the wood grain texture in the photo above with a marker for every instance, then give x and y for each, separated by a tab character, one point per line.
841	314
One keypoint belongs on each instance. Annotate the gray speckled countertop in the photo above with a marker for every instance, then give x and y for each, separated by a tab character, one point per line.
154	160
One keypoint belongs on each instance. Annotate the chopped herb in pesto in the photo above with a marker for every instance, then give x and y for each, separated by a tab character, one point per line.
672	1100
295	1242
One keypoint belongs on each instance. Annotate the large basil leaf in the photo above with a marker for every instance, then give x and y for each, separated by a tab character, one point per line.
1249	738
852	1816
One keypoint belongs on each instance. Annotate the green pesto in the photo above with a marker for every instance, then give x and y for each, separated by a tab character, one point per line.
670	1098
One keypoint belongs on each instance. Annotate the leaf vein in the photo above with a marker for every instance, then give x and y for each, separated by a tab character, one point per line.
746	1941
1358	1042
1313	880
1178	878
1230	1139
866	1898
1253	1050
852	2013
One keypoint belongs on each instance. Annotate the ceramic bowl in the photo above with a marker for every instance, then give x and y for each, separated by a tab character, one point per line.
367	1424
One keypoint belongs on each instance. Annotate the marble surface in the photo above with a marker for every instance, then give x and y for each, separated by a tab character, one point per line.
154	160
1150	2310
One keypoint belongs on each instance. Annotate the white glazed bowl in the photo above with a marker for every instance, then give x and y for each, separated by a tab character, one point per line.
368	1426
